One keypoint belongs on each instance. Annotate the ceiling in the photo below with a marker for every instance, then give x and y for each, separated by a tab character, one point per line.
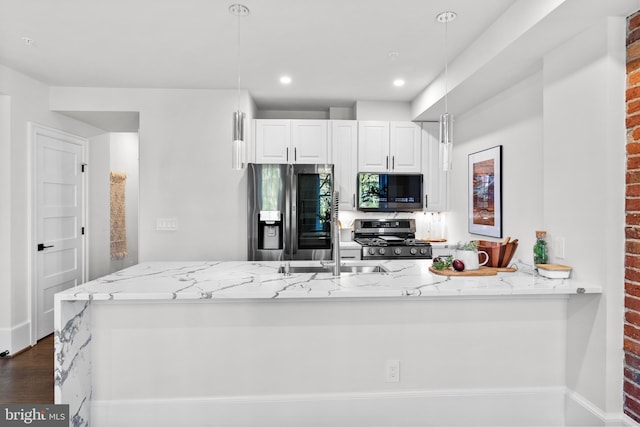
336	51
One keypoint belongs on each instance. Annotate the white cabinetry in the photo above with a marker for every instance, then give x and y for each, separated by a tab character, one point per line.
344	140
291	141
436	181
388	147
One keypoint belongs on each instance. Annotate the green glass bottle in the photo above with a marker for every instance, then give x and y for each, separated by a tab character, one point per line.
540	255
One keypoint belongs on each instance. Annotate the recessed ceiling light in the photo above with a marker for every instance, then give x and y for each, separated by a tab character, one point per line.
285	80
398	82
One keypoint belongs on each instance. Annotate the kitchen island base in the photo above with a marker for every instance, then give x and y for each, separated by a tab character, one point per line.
134	348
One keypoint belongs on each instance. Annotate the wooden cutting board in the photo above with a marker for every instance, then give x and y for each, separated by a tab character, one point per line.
483	271
554	267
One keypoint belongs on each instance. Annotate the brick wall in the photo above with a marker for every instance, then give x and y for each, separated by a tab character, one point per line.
632	229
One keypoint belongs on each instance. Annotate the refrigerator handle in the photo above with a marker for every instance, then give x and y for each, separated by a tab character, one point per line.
293	211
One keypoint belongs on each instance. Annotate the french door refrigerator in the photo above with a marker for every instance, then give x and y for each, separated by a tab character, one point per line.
289	211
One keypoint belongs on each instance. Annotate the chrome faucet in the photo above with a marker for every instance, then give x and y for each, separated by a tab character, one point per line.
335	233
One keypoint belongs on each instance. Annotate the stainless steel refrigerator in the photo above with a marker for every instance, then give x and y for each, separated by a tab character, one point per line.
289	214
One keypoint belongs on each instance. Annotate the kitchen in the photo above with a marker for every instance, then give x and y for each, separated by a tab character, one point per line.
534	111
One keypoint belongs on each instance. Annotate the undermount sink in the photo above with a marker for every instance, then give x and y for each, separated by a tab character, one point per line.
303	269
363	269
344	268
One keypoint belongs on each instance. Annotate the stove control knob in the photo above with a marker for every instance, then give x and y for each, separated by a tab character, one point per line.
381	251
423	251
413	251
397	251
372	251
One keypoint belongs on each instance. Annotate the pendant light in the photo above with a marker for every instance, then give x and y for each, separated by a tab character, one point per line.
446	120
238	150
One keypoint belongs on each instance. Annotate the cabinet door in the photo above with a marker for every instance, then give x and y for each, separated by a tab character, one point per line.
272	141
405	147
309	141
373	146
344	141
436	181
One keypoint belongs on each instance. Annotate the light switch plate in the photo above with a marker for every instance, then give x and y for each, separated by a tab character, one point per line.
166	224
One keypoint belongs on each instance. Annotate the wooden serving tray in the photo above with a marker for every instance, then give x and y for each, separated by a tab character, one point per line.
483	271
554	267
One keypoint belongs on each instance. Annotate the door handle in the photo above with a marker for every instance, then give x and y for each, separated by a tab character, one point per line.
42	246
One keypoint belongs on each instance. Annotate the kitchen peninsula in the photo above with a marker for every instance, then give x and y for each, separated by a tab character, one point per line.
237	339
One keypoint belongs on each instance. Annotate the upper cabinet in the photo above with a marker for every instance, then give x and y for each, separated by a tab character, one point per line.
344	145
291	141
436	181
389	147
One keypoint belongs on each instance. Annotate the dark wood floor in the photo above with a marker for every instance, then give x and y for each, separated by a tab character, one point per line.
27	377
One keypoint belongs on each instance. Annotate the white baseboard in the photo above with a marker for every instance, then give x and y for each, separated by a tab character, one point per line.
488	407
16	338
580	412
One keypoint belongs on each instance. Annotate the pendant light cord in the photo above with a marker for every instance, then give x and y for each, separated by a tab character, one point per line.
446	67
238	62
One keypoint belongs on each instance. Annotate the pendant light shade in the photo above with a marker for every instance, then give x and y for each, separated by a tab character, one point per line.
446	119
446	140
238	154
238	147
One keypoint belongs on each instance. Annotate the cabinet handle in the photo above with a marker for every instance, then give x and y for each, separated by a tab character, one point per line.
354	200
393	163
387	162
287	154
426	201
295	154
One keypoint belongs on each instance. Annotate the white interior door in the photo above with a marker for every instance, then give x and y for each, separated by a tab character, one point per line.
59	215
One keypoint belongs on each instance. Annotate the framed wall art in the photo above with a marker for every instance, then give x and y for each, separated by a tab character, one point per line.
485	192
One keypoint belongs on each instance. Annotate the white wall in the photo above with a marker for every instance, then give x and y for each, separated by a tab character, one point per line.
584	186
196	350
185	167
99	233
383	110
5	222
563	137
28	101
512	119
111	152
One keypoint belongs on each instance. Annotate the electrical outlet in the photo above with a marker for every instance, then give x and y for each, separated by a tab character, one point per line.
392	371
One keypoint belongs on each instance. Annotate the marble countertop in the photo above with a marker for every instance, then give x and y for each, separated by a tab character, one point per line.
261	280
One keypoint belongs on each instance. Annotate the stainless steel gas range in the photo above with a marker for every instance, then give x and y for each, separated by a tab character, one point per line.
390	239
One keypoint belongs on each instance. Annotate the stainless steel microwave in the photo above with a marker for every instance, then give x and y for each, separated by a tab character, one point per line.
387	192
